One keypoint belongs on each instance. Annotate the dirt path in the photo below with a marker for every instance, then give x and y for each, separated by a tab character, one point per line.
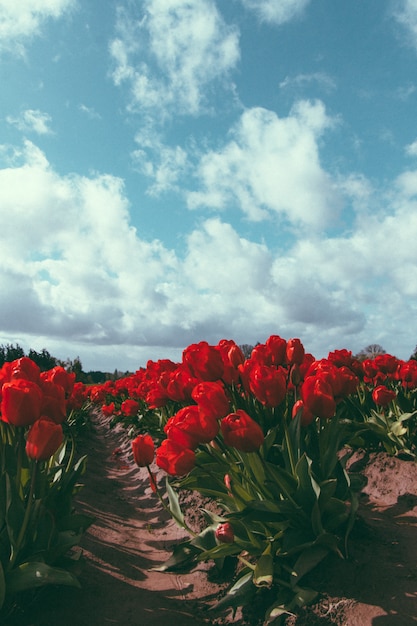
131	535
376	586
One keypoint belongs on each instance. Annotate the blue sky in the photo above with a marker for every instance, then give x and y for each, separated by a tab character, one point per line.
174	171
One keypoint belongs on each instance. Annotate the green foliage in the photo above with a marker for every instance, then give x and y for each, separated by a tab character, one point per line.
38	525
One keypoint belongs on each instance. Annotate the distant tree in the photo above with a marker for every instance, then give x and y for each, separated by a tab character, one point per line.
370	352
10	352
44	359
414	355
246	349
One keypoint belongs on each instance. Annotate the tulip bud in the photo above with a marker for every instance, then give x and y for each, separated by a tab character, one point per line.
224	533
143	450
44	438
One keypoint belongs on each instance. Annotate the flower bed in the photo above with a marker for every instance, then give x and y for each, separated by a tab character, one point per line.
268	437
39	476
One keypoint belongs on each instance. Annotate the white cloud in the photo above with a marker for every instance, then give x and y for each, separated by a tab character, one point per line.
162	163
90	112
406	14
84	278
272	165
172	53
276	11
322	79
411	149
32	120
23	19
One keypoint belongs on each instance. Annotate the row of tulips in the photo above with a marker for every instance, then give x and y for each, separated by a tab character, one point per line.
267	437
39	476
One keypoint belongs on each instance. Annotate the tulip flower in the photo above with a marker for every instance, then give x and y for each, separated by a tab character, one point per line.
224	533
44	439
143	450
173	459
382	395
189	427
21	402
240	431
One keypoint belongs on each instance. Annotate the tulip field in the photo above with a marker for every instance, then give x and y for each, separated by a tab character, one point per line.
268	438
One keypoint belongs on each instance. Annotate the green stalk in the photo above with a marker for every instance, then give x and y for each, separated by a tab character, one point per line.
179	521
20	446
27	516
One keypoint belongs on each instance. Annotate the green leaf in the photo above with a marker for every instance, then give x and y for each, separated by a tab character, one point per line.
241	592
307	561
174	504
2	586
32	574
182	558
264	571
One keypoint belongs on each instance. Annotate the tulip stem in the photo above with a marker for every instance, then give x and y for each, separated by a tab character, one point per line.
20	446
178	520
26	518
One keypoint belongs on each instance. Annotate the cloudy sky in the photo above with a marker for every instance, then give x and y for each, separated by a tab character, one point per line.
174	171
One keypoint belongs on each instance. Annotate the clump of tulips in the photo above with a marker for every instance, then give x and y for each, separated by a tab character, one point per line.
38	478
268	438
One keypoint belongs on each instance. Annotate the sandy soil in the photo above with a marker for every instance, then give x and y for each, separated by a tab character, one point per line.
376	586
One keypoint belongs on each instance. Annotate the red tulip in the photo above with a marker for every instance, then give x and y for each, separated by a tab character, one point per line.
211	399
174	459
318	397
295	352
268	384
44	439
21	402
240	431
129	407
204	361
382	395
189	427
143	450
224	533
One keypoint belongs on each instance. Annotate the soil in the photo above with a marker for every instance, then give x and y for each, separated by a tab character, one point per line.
375	586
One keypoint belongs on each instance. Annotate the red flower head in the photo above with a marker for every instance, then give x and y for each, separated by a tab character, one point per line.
44	439
211	399
382	395
129	407
276	346
318	397
224	533
295	352
21	402
268	384
240	431
60	376
25	368
204	361
53	401
108	409
189	427
306	415
232	357
174	459
143	450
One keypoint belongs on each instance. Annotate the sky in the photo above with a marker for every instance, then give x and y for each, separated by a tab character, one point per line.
173	171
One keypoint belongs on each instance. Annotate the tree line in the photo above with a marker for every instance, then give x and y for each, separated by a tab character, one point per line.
45	361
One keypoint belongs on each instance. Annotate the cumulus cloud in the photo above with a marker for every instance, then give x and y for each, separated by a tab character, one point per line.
271	165
276	12
32	120
19	21
171	54
85	277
